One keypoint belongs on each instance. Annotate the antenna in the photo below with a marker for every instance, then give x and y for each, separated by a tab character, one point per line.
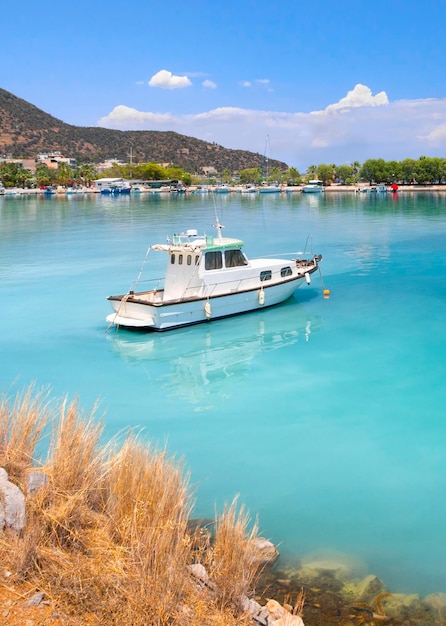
217	224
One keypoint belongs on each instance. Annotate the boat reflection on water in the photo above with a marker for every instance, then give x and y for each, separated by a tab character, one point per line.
195	363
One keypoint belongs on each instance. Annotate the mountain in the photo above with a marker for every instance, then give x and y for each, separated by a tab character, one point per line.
26	131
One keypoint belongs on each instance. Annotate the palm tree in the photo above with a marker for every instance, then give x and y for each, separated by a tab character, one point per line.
86	172
311	172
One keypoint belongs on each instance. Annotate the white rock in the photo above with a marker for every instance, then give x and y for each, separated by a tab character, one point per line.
258	612
199	572
279	616
13	504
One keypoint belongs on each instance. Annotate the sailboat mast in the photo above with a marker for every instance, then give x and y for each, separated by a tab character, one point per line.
265	162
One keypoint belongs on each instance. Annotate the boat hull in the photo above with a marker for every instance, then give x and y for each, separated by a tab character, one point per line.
131	313
312	190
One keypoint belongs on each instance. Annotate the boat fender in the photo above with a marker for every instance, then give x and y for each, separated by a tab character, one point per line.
261	297
307	278
208	310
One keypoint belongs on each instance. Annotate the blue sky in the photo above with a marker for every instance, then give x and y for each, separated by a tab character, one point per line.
326	83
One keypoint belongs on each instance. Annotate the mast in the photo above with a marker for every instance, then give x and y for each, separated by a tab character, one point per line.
265	161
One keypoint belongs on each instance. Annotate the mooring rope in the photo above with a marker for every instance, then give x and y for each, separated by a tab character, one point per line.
124	299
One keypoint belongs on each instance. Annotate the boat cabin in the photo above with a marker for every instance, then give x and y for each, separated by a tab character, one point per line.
194	260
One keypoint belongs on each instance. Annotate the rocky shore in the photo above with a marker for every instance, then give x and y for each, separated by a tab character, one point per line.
336	594
313	592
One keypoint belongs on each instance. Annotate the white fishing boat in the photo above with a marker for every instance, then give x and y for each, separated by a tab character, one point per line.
207	278
222	188
249	189
313	186
274	188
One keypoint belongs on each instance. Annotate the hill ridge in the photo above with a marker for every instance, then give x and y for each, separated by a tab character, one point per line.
26	130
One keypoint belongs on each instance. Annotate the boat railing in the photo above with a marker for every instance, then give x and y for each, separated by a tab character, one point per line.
191	237
149	284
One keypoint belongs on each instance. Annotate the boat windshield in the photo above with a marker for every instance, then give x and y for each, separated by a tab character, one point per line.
235	258
213	260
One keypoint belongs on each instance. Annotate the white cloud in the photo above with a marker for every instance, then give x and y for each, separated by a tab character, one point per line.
437	135
209	84
123	116
359	96
405	128
264	82
166	80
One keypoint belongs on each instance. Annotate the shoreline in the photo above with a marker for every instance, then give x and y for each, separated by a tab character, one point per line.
363	189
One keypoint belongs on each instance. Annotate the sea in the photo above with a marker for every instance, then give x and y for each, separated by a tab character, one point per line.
324	416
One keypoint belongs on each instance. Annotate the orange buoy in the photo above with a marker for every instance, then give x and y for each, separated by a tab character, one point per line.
326	293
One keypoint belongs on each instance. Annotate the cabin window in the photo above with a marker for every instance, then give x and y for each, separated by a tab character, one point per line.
172	258
266	275
286	271
213	260
180	259
189	259
235	258
197	259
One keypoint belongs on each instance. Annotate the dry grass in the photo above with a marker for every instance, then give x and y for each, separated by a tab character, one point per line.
21	429
232	563
107	536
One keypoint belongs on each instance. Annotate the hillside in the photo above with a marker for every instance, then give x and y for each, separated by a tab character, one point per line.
26	130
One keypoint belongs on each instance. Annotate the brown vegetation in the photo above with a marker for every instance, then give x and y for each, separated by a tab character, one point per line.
107	537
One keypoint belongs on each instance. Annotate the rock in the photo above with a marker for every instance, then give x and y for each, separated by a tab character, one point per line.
35	599
2	517
13	503
279	616
340	566
199	572
34	481
264	550
369	588
398	603
437	602
258	612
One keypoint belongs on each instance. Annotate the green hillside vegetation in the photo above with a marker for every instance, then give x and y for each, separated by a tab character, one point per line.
26	131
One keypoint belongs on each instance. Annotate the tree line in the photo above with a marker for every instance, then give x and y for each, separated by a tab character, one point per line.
424	170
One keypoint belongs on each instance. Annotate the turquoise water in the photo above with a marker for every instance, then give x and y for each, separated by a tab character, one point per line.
325	415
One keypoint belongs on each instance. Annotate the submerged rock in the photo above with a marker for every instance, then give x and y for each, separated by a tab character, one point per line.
437	602
364	590
264	550
340	566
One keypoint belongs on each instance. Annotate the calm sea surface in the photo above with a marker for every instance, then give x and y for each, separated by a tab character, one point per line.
327	416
